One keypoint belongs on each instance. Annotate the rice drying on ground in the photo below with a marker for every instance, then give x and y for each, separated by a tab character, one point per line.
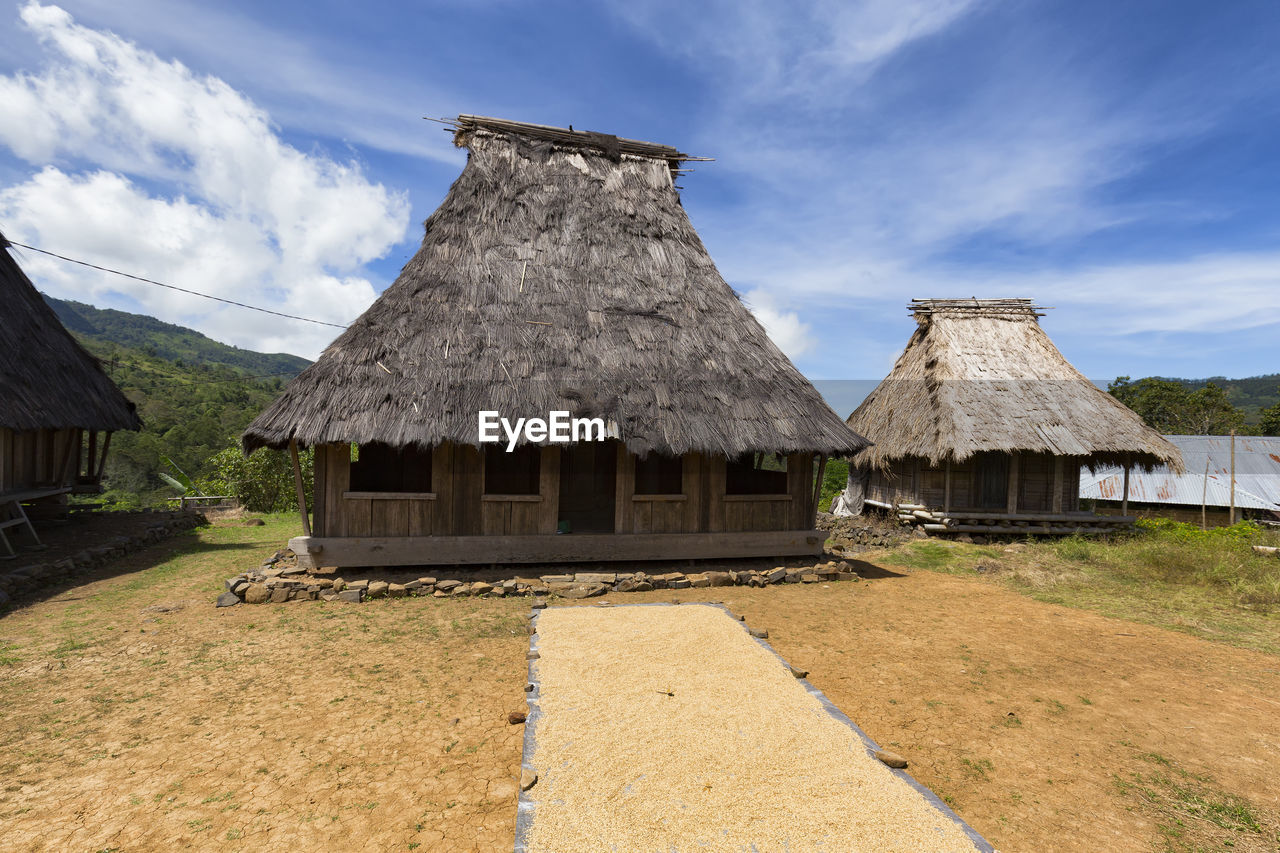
670	728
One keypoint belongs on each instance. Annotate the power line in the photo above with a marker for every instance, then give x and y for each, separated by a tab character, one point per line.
171	287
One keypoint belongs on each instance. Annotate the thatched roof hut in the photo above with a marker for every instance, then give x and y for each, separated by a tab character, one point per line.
981	375
561	273
47	380
981	410
55	400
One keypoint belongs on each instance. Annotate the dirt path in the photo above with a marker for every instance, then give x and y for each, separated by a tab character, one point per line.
125	723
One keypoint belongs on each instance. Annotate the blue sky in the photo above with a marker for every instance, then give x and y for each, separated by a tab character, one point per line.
1119	162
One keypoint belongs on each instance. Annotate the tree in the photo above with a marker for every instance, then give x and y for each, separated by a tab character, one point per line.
262	482
1171	408
1270	423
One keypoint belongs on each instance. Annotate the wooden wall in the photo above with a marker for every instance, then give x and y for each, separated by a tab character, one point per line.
916	481
36	458
456	506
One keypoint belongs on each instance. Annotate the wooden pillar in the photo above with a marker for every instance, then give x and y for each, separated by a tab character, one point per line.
1058	465
1124	502
1013	484
817	486
946	490
102	458
1231	519
297	485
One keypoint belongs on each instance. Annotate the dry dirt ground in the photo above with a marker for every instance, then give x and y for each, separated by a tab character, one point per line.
135	716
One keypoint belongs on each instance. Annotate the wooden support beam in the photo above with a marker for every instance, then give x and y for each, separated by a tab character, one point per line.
946	489
297	485
817	487
1058	465
1124	502
1013	484
102	458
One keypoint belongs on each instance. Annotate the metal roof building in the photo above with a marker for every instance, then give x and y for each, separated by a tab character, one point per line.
1208	475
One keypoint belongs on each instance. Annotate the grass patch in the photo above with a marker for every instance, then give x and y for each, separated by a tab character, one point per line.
1209	583
1191	812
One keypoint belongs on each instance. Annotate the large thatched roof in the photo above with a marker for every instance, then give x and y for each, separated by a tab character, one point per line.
560	273
979	375
47	380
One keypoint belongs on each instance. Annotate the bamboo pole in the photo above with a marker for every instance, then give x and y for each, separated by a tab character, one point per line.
297	485
1231	519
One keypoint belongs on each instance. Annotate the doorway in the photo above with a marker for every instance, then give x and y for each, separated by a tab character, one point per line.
588	473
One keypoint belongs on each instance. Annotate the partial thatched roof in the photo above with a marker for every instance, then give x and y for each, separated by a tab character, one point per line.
47	380
560	273
979	375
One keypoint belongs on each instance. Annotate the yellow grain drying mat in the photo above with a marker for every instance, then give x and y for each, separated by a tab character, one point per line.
671	728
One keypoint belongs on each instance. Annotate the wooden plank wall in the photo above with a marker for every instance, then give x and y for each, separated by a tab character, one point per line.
1035	482
461	509
34	458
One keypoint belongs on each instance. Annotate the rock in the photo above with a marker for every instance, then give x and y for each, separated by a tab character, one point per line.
378	589
550	579
481	588
539	603
580	590
256	594
810	578
718	578
681	583
698	580
892	759
439	593
1266	550
595	577
323	583
634	586
412	585
529	687
846	576
339	584
515	718
448	585
397	590
532	656
799	673
499	591
228	599
351	595
760	633
528	778
361	584
279	595
328	596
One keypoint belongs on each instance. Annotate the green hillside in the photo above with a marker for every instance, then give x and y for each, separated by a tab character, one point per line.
166	340
194	396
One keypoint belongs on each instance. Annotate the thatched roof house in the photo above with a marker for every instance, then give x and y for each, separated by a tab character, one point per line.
560	273
981	414
55	400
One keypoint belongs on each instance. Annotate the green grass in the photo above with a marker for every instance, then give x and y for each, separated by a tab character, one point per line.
1208	583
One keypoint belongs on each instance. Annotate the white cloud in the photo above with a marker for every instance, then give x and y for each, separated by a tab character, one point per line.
784	327
257	221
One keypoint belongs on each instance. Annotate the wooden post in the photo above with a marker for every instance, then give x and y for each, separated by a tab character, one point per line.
1231	519
1124	502
1013	484
1059	481
297	485
1204	496
817	487
102	458
946	490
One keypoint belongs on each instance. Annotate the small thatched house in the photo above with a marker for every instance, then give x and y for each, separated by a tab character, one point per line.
57	407
983	426
560	274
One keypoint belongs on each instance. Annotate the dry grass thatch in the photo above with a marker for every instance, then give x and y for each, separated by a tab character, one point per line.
560	273
981	375
47	380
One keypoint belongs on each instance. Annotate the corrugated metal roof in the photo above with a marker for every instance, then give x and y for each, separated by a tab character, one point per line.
1208	477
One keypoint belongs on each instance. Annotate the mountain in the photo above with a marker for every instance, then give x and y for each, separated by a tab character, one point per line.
194	396
167	341
1250	394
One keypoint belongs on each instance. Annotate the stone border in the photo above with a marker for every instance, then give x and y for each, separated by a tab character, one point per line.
33	576
280	579
526	804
